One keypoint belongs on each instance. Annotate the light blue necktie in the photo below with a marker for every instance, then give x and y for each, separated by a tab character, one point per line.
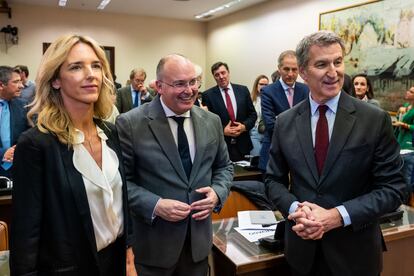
5	131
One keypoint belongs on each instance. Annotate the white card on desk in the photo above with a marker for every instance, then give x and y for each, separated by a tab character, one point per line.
262	217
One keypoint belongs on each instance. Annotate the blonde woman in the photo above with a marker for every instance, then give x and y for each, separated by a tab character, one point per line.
256	133
69	199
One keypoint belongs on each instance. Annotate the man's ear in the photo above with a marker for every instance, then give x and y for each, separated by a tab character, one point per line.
56	84
303	74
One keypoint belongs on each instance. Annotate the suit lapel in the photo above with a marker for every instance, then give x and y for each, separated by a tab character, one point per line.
239	101
282	97
160	128
128	97
344	122
74	179
221	105
200	134
304	132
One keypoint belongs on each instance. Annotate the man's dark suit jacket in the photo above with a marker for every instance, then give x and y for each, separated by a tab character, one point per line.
124	99
274	102
52	231
246	114
362	172
18	124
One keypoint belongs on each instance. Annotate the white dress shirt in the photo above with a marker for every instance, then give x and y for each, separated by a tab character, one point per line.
232	98
103	189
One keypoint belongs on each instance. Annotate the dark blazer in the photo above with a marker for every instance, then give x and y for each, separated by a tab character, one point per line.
124	99
154	170
246	114
18	124
52	231
362	172
274	102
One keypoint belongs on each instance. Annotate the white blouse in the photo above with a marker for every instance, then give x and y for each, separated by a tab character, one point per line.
103	189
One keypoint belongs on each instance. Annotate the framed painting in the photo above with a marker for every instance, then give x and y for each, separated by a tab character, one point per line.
109	52
379	41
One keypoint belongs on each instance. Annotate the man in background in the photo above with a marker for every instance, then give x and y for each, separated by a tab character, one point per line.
233	104
29	87
12	116
334	169
135	94
177	170
279	96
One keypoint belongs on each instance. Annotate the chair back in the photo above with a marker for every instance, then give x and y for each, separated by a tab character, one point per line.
4	236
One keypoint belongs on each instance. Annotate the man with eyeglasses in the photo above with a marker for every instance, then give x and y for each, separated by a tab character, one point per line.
177	171
279	96
135	94
12	116
233	104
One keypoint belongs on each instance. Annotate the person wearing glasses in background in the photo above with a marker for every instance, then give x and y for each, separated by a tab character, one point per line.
178	171
135	94
278	97
256	133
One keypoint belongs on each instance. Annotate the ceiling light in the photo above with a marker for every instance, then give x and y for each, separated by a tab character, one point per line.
103	4
209	13
62	3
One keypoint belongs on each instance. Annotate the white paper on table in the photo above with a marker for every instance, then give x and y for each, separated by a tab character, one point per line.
252	232
244	219
255	235
243	163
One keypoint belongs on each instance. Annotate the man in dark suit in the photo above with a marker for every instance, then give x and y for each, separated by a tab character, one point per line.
334	169
178	171
278	97
134	94
13	117
233	104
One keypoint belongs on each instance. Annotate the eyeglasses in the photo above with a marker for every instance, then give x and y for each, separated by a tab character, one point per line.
138	81
262	83
181	84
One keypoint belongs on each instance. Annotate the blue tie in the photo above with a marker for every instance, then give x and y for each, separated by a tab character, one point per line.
136	99
183	147
5	131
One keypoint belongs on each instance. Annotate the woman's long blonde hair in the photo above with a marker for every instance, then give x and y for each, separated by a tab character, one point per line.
255	93
47	111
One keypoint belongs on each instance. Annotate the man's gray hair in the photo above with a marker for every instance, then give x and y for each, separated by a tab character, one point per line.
321	38
287	53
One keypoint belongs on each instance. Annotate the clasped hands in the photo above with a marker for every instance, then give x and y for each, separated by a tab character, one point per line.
234	129
313	221
174	210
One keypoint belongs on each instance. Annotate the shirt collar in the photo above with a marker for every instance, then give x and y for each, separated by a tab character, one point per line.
133	90
331	103
169	113
80	137
285	86
229	87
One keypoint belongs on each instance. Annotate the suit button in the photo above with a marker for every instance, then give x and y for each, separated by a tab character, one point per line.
319	195
190	190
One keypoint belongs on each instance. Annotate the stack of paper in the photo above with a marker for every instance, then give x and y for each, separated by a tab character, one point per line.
254	225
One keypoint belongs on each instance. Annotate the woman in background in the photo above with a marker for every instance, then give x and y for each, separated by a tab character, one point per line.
69	199
256	133
363	89
405	129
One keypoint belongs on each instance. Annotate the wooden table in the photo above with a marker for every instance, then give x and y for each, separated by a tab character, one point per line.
399	238
234	255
